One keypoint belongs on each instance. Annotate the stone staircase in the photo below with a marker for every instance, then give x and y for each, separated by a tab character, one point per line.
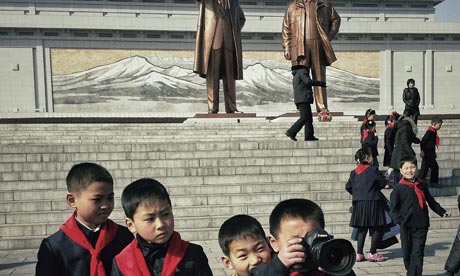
212	170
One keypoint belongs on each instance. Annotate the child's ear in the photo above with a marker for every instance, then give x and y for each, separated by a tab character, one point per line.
226	261
71	200
130	224
273	243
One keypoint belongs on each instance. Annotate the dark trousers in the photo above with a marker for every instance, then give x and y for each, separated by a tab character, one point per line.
431	164
453	260
413	247
305	120
377	234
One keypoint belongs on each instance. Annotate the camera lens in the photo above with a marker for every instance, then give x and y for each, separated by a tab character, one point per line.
337	257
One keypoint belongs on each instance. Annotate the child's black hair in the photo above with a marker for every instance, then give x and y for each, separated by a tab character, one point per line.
407	159
394	116
436	120
82	175
144	190
296	208
369	112
239	227
362	154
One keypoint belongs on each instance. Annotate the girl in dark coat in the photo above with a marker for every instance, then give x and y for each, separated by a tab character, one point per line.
411	98
369	203
368	115
389	137
370	140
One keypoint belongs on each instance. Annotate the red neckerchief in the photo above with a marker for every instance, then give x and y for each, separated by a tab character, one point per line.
438	140
365	121
418	191
361	168
391	125
131	262
309	273
108	232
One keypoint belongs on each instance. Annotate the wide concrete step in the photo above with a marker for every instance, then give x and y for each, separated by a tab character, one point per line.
198	234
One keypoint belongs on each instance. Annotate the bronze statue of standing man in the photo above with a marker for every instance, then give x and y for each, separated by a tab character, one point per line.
308	28
218	53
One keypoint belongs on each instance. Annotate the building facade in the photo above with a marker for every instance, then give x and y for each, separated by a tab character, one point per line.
42	43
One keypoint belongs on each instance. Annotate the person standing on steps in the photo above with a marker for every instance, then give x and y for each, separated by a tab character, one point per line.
308	28
303	98
411	98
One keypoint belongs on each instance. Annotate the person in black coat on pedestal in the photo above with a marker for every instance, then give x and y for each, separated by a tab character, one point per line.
411	98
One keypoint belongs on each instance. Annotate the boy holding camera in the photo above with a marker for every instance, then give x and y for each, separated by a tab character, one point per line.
290	221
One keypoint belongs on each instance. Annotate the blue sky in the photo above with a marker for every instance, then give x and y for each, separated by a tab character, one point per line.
449	10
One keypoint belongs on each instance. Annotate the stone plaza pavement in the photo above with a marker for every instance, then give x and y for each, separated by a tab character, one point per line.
22	262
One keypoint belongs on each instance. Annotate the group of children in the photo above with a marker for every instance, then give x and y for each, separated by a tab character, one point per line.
89	243
410	198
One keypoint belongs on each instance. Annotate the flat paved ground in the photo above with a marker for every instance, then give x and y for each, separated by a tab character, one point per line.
22	262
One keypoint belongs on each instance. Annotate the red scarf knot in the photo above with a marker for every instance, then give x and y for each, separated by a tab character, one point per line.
108	232
418	191
361	168
131	262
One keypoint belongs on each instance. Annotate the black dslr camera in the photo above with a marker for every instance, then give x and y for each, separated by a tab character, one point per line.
333	256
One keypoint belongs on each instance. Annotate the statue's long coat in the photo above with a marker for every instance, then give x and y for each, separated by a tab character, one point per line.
207	22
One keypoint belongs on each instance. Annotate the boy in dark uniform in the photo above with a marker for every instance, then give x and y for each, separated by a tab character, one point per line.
428	145
409	209
88	241
291	220
157	249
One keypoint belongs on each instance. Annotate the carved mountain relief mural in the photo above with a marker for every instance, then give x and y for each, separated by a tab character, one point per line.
149	84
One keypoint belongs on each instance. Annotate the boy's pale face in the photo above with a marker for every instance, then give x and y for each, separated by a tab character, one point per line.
292	228
411	84
408	170
371	117
153	221
247	253
437	126
93	204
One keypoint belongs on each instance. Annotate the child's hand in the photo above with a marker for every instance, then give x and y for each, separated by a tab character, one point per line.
293	253
446	215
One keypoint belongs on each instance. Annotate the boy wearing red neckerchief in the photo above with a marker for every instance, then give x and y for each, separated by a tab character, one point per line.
428	145
88	241
157	249
408	202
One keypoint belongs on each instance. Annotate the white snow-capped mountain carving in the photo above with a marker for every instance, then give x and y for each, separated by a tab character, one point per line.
139	78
